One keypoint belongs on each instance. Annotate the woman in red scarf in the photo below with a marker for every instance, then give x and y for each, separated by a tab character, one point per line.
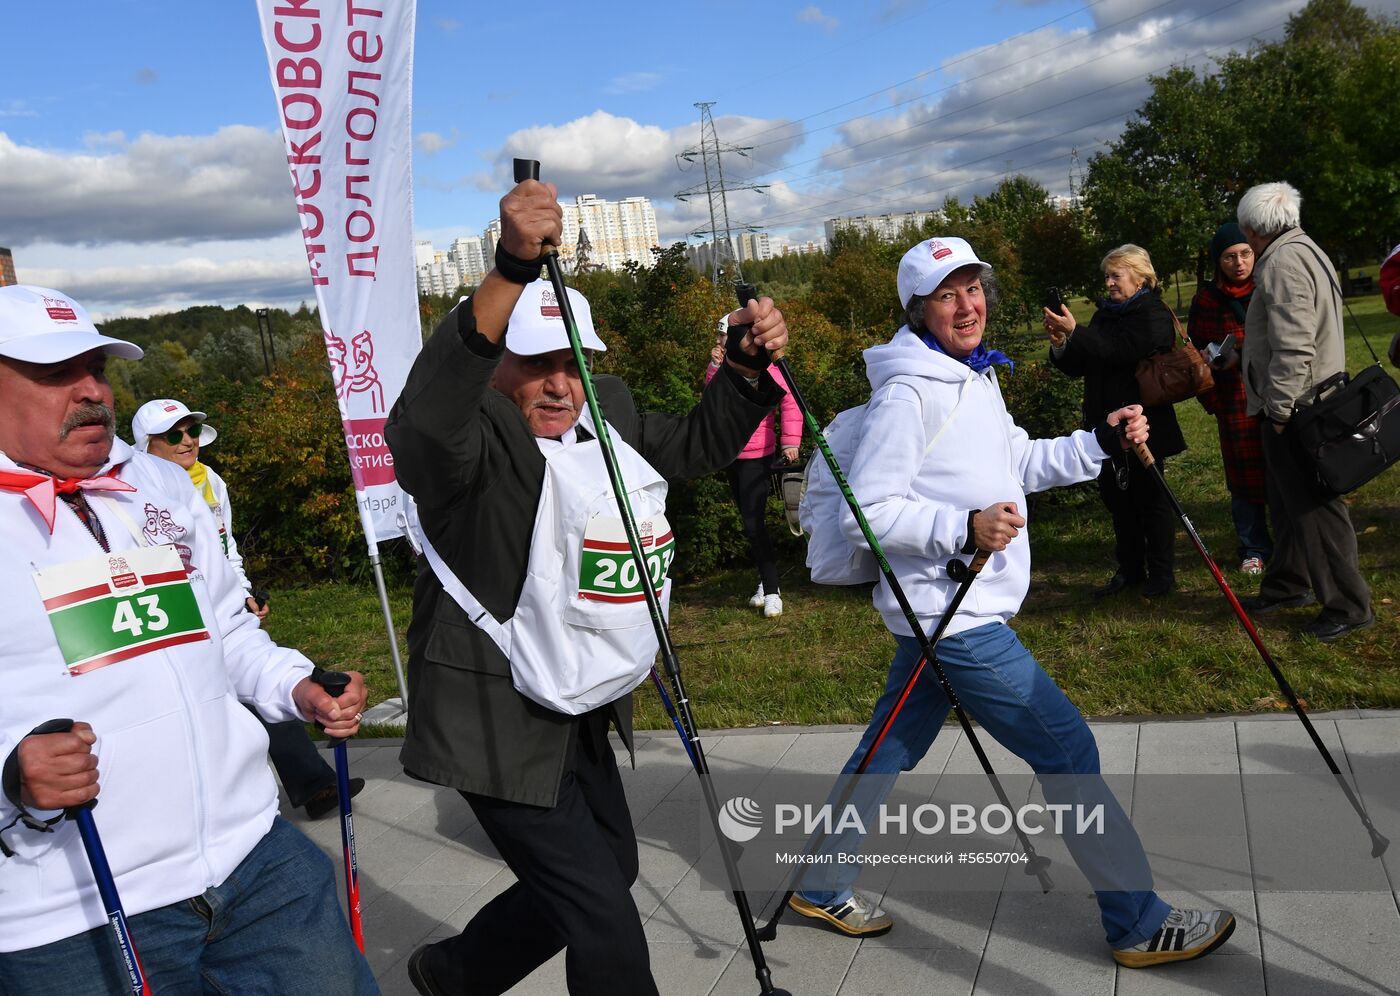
1217	317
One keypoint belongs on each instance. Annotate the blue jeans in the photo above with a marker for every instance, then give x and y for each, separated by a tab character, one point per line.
1252	527
274	926
1005	690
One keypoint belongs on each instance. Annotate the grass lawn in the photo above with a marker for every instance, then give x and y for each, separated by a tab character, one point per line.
824	660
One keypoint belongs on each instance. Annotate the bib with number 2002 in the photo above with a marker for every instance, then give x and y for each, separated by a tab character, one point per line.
607	572
116	606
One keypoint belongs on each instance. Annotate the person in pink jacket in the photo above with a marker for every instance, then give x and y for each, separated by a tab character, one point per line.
748	477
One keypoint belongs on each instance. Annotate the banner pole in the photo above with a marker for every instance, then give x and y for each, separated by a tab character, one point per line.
389	623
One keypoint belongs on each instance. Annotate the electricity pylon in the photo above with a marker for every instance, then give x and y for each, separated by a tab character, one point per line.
720	231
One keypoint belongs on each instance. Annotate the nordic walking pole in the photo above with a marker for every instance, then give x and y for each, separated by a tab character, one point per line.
335	682
1378	842
1035	863
102	873
529	169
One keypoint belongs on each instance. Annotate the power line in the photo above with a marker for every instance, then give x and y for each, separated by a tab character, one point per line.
711	152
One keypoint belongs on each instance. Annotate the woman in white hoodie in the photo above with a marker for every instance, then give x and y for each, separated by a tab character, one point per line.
931	496
168	429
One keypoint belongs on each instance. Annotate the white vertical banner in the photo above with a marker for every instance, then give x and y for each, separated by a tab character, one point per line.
342	73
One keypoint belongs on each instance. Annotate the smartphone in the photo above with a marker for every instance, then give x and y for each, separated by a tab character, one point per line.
1212	352
1052	300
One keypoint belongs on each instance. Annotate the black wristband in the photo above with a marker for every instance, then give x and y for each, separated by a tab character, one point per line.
1108	437
515	269
732	350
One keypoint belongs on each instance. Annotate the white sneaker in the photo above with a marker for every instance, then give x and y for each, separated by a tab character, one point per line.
756	599
1184	935
772	605
1252	565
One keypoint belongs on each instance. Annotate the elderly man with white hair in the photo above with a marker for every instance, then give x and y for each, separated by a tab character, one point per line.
1293	342
530	630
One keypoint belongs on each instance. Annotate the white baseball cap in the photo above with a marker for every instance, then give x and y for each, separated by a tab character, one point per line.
928	264
537	323
155	417
39	325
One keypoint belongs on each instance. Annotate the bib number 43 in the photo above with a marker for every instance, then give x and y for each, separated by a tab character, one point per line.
125	617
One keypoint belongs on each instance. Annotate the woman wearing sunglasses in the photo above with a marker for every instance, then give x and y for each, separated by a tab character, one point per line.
168	429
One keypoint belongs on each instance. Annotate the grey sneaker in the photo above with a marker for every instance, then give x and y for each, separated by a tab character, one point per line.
856	917
1184	935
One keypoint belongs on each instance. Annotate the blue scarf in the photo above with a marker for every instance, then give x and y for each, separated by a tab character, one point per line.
979	359
1116	306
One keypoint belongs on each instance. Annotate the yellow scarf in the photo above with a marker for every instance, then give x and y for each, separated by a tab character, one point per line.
199	474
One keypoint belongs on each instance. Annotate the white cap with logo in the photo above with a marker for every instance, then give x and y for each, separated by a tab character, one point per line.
39	325
155	417
928	264
537	323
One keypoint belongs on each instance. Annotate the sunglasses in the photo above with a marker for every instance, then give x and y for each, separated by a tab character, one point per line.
175	436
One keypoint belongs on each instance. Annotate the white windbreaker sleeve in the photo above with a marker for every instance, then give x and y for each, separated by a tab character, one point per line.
1043	464
226	515
893	447
260	672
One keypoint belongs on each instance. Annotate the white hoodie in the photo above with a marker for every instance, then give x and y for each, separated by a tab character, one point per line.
918	504
186	792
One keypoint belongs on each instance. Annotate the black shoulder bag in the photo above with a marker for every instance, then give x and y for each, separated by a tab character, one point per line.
1349	427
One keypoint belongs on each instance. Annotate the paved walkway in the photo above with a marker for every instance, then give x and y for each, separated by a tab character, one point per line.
426	868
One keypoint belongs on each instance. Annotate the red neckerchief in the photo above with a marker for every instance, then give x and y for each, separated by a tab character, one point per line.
42	489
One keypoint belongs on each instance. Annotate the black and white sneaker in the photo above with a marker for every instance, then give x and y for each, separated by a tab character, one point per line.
855	917
1184	935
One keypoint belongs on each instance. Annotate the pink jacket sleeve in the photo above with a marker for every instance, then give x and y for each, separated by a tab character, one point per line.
789	415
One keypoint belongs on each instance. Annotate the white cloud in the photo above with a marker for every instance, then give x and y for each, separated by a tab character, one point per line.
16	109
145	289
814	15
447	24
1016	107
232	184
430	143
618	157
632	82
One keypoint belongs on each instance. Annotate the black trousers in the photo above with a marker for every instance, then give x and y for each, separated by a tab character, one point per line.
1144	524
301	768
575	863
749	480
1314	541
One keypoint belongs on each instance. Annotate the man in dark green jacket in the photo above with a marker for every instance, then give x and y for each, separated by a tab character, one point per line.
492	408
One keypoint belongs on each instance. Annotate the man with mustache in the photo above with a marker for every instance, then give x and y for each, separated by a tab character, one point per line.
530	628
141	637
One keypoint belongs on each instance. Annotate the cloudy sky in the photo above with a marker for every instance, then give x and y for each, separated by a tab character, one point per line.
141	166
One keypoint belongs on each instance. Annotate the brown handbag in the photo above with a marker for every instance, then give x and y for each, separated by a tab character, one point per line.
1173	377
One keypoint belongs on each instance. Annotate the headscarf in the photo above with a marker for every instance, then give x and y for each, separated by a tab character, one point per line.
979	359
199	474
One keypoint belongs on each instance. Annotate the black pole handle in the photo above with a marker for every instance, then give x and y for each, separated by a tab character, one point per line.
335	683
527	169
61	726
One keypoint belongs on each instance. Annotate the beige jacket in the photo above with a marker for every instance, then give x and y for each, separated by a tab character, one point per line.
1293	329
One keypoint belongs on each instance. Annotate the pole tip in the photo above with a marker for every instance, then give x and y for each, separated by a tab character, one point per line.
1378	844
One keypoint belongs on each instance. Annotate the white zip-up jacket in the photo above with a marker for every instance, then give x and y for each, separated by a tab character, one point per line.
186	792
917	499
225	518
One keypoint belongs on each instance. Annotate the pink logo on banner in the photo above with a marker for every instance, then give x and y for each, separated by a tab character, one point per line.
360	377
370	460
